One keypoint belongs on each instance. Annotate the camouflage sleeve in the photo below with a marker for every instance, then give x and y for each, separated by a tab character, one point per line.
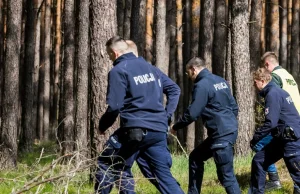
277	80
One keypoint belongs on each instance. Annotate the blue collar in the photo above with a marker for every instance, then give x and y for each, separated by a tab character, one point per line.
266	89
202	74
124	57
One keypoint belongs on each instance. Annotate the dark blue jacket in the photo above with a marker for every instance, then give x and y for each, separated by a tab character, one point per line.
279	112
213	101
135	91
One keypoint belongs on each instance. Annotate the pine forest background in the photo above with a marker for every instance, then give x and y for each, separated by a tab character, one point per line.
53	62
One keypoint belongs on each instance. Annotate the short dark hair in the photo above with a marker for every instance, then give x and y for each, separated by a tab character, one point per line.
195	62
117	43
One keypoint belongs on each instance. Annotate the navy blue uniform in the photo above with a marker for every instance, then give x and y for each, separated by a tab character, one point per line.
135	91
283	122
213	101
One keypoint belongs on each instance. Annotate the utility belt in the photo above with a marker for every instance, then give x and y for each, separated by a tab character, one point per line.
285	133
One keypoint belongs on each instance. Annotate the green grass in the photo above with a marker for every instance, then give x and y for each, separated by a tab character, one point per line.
29	167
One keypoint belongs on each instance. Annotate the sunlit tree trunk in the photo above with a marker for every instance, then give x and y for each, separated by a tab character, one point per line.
102	11
68	77
149	31
274	27
161	36
241	74
82	63
207	31
283	34
263	29
295	40
290	16
10	103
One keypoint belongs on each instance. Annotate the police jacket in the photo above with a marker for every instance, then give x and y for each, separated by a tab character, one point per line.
280	112
213	101
135	91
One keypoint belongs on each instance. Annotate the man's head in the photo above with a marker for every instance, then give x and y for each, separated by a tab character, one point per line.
132	47
269	61
115	47
193	67
261	78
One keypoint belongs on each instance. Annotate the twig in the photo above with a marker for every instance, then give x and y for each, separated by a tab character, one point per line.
186	155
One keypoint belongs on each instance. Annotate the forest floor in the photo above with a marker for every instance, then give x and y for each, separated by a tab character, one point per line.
42	171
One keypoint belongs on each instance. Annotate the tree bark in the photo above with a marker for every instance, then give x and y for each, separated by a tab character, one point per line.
138	25
283	34
47	50
220	37
254	33
10	104
295	40
290	16
127	19
207	32
120	16
263	29
274	27
103	11
68	77
82	63
228	68
57	61
27	120
161	37
149	31
241	74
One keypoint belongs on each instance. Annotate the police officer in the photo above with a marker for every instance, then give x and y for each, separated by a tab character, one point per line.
283	122
284	80
135	92
213	101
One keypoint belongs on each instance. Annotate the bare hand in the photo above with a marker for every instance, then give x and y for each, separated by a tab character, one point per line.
172	131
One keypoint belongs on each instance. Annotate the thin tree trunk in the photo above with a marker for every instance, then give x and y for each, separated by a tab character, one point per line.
82	63
295	40
27	120
127	18
241	74
120	16
36	68
138	24
207	32
179	64
254	33
102	11
149	31
283	34
10	108
161	36
220	36
2	5
263	29
57	63
228	68
274	27
41	76
290	16
46	115
171	21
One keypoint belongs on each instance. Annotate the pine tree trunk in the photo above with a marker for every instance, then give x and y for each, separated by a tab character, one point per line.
120	16
27	124
149	31
220	37
263	29
283	34
127	19
40	117
68	77
46	115
102	11
207	32
228	68
241	74
82	63
274	27
36	69
295	40
2	5
57	64
254	33
171	22
161	36
138	24
10	108
290	16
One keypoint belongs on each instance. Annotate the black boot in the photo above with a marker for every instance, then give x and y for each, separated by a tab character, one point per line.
274	182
